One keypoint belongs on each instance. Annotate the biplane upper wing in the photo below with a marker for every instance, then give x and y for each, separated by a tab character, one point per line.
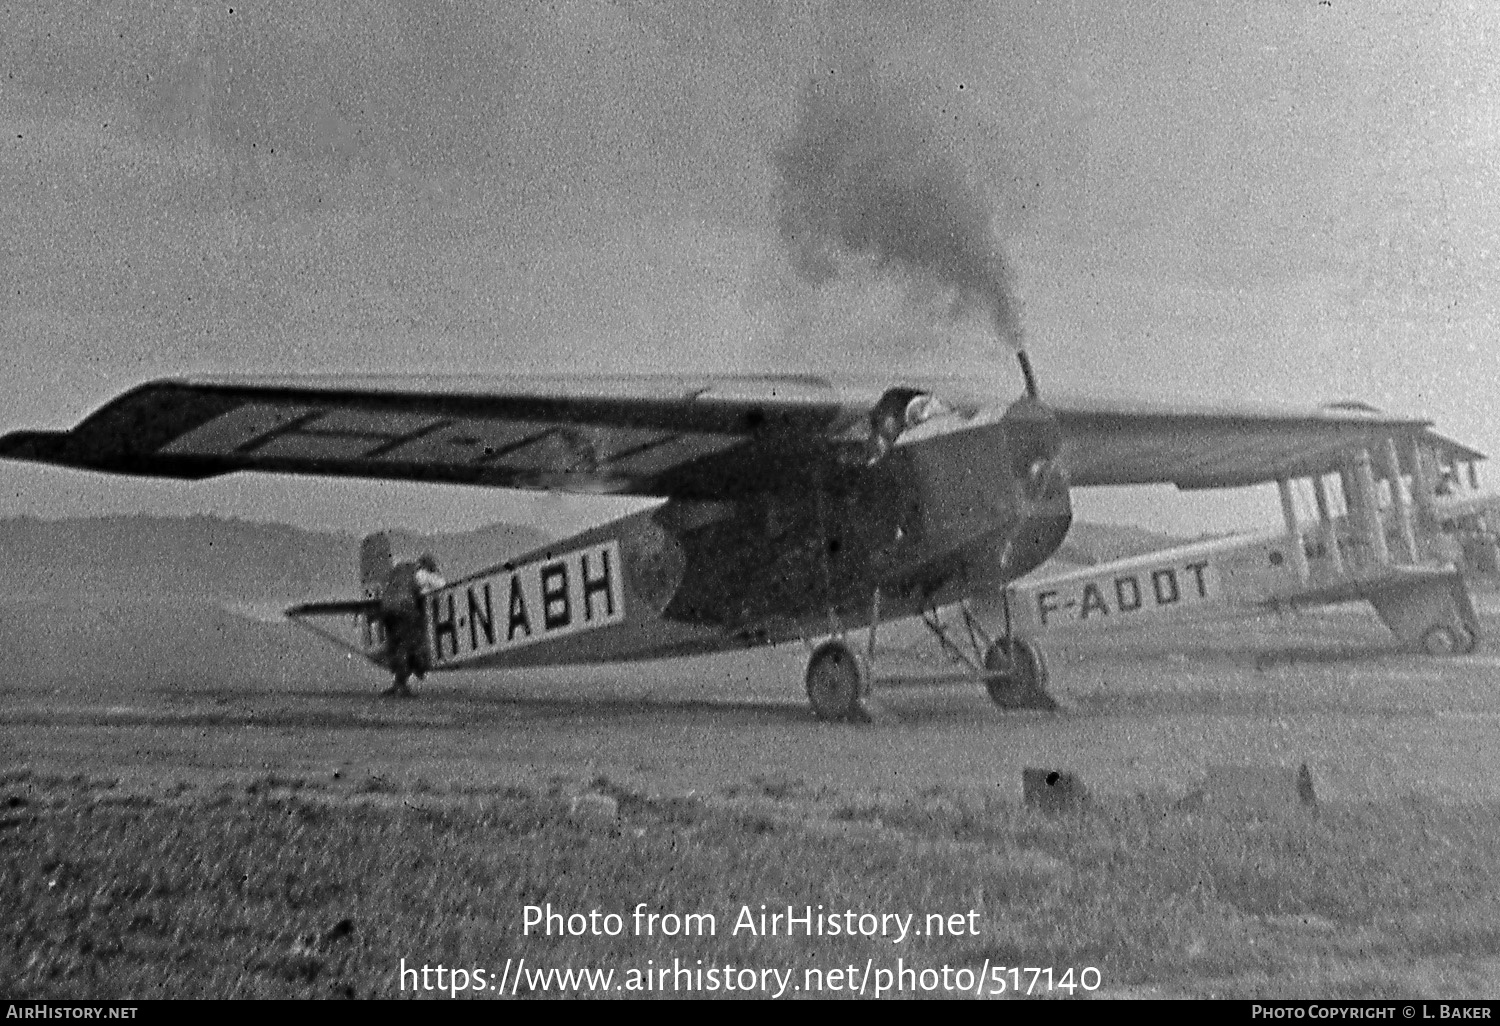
1124	442
663	435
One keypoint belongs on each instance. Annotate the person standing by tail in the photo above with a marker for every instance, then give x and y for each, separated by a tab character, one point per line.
401	605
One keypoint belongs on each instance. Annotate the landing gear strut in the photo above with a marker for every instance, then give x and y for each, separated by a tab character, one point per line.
1011	669
1468	640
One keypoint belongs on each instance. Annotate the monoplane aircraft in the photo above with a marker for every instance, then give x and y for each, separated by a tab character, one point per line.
795	506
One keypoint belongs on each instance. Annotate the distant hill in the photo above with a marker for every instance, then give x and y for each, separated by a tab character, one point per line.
213	558
242	562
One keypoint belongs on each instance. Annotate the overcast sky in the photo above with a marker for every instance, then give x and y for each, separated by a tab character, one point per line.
1287	201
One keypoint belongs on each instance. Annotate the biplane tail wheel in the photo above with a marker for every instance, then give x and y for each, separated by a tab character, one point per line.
836	680
1441	640
1016	675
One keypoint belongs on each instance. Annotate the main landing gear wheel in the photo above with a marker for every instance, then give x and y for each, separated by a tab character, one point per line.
837	679
1016	675
1443	639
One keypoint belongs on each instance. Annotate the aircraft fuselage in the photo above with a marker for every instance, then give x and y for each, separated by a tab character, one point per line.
938	518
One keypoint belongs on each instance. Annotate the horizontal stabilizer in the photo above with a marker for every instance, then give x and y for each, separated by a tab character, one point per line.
340	607
362	637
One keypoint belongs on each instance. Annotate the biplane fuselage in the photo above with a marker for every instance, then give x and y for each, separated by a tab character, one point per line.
937	519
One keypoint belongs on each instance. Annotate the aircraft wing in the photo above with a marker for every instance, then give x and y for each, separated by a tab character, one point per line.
692	436
1108	442
671	435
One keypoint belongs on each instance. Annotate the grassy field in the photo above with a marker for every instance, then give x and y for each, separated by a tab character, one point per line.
287	887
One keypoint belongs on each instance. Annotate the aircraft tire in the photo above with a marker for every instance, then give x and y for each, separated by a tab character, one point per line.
836	680
1442	640
1016	675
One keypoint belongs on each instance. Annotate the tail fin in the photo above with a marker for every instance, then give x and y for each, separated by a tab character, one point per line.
369	639
375	563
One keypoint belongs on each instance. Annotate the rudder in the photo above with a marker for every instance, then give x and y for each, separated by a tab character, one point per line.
375	563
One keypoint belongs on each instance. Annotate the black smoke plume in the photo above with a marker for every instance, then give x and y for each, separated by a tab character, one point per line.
863	176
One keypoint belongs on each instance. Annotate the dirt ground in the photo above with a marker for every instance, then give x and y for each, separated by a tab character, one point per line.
1142	713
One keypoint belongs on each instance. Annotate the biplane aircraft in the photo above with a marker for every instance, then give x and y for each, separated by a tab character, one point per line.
794	506
1392	530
